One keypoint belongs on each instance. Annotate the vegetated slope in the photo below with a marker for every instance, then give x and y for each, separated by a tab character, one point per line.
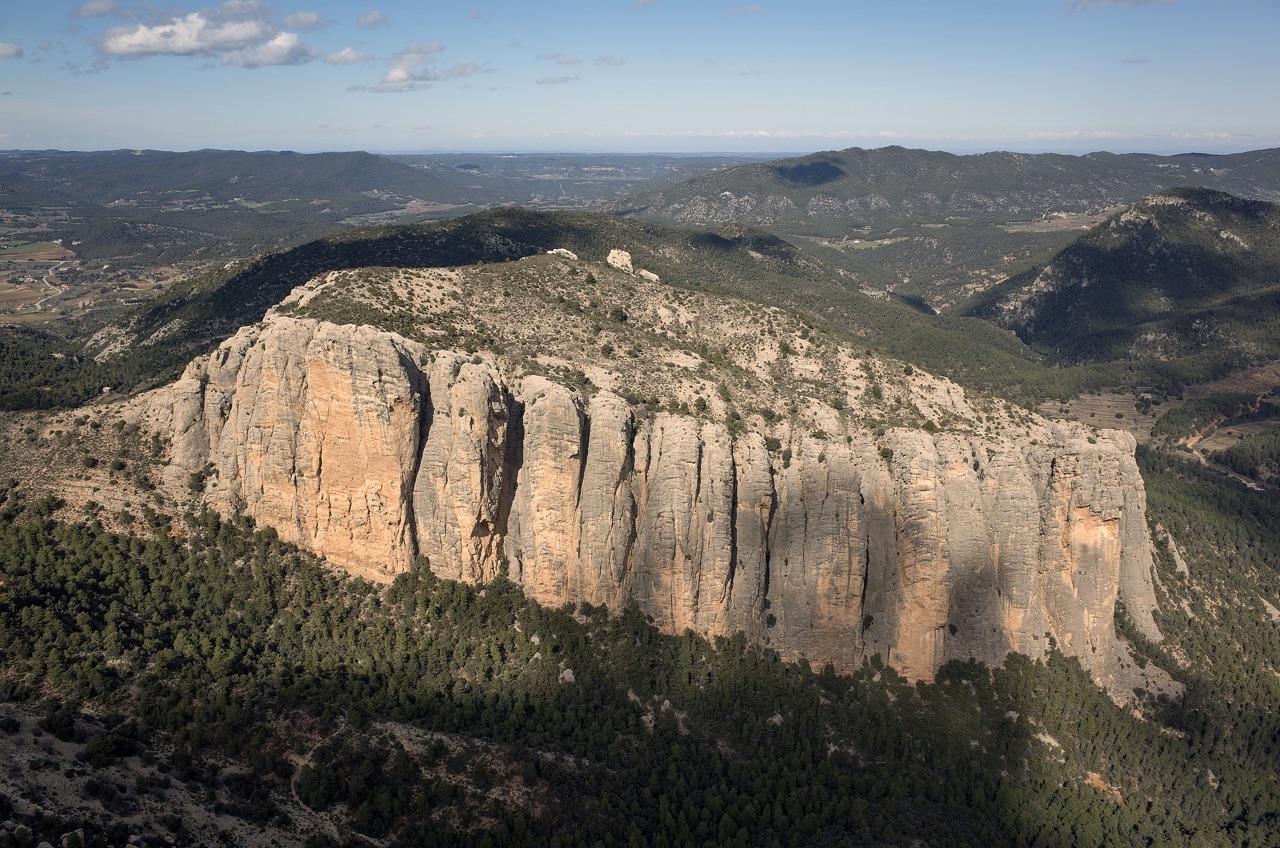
1218	550
563	180
936	266
1189	276
200	663
147	207
187	320
838	191
154	343
344	183
1256	455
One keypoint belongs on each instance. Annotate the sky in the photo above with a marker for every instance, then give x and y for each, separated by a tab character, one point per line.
1161	76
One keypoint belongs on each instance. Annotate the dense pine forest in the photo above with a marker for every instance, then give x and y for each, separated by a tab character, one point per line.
431	712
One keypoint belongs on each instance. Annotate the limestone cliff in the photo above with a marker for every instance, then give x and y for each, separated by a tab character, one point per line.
835	529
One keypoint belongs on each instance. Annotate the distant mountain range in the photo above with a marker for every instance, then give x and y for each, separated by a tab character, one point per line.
343	183
838	192
143	206
923	292
129	206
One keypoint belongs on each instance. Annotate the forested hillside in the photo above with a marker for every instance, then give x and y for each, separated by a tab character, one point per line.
437	713
1186	274
835	192
155	341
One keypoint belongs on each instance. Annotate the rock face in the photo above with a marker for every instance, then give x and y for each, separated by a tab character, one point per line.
919	546
312	429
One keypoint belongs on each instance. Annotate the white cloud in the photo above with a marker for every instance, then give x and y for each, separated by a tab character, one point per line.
413	69
410	68
285	49
555	80
305	21
239	33
371	19
610	60
479	15
559	59
347	56
191	35
747	10
97	8
460	70
243	8
1087	5
10	51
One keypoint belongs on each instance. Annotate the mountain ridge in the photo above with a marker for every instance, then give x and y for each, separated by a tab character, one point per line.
1182	274
605	438
841	191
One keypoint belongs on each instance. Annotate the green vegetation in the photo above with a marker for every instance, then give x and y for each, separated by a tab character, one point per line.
202	179
1221	640
224	642
189	318
28	247
143	208
427	713
1201	414
560	180
931	267
42	370
1188	274
834	192
1256	455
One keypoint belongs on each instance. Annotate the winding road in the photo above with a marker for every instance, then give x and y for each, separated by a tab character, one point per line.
51	280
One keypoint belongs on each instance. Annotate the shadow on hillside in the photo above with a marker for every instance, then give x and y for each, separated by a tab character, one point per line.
809	174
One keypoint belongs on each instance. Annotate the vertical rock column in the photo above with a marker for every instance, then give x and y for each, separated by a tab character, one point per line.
817	555
462	489
543	533
320	438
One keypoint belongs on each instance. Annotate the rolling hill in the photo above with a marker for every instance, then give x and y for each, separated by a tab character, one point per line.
838	192
1188	274
175	676
347	183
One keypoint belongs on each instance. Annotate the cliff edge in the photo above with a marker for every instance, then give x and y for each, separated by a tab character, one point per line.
603	438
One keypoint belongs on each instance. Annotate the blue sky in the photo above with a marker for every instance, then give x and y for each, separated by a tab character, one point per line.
642	75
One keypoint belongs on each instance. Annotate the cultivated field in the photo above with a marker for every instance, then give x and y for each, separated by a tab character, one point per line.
1109	411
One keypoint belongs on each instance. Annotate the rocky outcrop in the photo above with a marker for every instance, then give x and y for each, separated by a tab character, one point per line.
620	259
834	545
312	429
